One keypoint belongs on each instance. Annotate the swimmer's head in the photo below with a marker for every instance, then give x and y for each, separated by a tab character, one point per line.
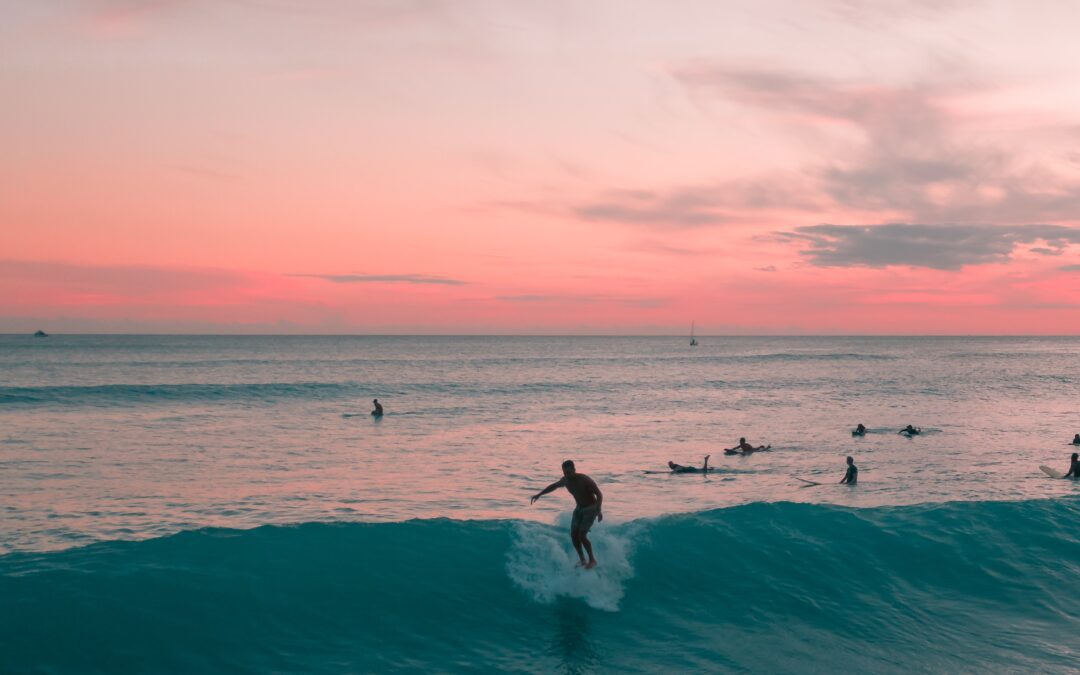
568	468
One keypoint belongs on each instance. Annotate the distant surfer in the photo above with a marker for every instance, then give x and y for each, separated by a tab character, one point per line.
851	477
1074	467
679	468
1076	440
859	431
910	431
745	448
377	412
589	500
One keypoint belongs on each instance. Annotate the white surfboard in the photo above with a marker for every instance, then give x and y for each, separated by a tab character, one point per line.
1051	472
809	483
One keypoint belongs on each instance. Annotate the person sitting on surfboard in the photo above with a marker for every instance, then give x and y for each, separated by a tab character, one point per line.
852	475
859	431
377	412
1074	467
679	468
910	430
745	448
589	500
1076	439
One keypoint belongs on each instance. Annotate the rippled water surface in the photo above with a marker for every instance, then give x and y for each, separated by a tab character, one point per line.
116	437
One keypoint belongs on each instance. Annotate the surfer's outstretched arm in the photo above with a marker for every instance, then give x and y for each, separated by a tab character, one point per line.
551	488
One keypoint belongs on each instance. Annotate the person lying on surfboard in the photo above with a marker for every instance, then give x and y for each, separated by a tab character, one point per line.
589	500
1074	467
852	475
679	468
745	448
910	430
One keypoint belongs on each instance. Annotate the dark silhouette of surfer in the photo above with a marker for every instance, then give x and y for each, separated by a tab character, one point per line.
859	431
744	448
1076	439
589	500
910	431
851	477
378	411
1074	467
679	468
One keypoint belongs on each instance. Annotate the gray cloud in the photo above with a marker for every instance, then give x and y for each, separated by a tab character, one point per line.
695	206
944	247
912	157
1070	268
383	278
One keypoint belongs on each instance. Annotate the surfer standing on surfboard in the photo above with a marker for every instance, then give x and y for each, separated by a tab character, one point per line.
589	500
852	475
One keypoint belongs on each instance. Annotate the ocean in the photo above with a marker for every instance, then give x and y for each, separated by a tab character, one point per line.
185	504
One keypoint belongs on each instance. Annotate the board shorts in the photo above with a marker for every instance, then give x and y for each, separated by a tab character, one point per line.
584	517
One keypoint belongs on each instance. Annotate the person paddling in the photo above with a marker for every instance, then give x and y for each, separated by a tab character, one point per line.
679	468
589	499
745	448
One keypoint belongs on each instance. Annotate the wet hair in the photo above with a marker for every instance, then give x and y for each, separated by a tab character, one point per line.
568	464
742	440
850	458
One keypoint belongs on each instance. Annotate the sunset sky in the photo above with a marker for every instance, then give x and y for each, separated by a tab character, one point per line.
625	167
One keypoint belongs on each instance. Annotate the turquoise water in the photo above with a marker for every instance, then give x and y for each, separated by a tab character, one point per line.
214	504
782	587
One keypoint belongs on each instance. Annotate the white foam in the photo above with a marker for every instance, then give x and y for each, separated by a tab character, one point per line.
542	562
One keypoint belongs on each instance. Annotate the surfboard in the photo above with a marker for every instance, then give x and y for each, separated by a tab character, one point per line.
808	482
1051	472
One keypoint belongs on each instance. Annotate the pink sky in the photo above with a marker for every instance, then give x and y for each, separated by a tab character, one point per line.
410	166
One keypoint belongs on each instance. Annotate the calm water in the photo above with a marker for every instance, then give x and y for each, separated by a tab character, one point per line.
116	439
129	437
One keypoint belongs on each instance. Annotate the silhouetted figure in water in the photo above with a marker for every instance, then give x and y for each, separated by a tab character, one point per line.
852	475
745	448
1076	439
910	431
377	412
1074	467
589	499
859	431
679	468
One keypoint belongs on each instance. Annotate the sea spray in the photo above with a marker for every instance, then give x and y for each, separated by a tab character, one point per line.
542	562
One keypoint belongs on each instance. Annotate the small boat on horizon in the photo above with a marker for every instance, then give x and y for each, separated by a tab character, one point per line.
693	340
41	333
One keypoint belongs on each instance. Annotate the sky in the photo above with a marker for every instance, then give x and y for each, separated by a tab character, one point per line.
540	167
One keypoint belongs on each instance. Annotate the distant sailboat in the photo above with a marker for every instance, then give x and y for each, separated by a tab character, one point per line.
693	340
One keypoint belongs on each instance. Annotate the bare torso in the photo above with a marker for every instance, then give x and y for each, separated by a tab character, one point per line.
582	488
